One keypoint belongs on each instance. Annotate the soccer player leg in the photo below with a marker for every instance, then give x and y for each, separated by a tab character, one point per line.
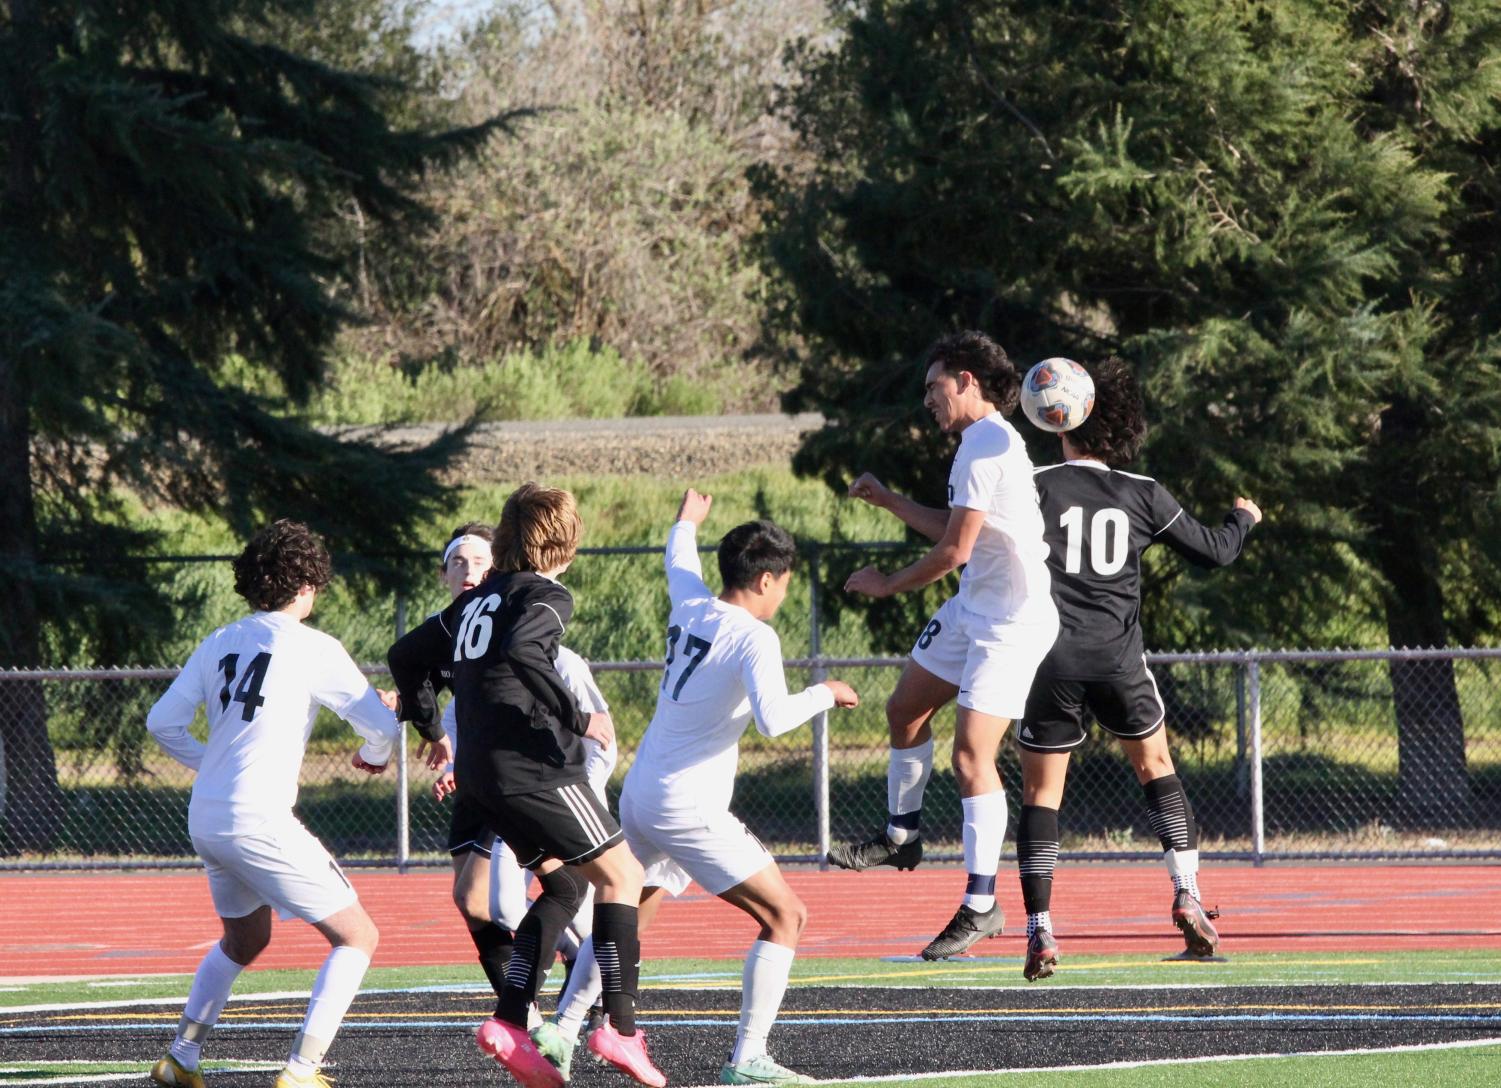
617	878
1132	709
471	844
1051	728
247	930
766	897
508	886
560	891
929	681
1037	855
353	937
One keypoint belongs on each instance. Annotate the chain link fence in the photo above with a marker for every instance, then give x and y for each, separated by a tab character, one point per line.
1284	755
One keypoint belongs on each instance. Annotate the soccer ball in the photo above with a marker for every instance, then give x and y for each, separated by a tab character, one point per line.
1057	395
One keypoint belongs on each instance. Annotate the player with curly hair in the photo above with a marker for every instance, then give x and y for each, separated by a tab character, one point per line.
1099	520
982	647
260	681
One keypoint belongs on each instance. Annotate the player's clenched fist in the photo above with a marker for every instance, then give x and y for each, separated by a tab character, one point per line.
844	695
695	507
867	487
869	581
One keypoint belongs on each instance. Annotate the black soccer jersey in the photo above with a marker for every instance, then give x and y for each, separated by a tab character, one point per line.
518	724
1097	523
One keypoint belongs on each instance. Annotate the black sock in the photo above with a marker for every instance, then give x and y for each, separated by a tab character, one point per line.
536	942
494	944
617	948
1171	815
1037	855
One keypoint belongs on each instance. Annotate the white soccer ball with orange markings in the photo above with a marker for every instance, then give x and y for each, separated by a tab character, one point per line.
1057	395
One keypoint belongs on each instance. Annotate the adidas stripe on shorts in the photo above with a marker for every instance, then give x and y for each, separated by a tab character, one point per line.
569	823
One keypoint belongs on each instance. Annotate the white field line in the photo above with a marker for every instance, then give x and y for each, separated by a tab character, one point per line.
1156	1062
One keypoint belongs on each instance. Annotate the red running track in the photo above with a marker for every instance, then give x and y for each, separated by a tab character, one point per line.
146	923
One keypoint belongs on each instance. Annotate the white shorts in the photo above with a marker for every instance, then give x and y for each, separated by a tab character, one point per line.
678	844
283	866
991	662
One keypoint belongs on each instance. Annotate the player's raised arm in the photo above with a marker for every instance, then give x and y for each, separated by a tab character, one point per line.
930	521
685	573
1200	544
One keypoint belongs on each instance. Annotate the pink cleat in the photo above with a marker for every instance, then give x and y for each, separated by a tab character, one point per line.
626	1053
513	1048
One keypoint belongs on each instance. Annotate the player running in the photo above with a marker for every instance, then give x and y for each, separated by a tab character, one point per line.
261	681
983	645
724	667
521	763
1099	520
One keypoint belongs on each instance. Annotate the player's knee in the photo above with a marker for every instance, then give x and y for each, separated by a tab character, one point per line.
796	914
473	904
567	886
243	947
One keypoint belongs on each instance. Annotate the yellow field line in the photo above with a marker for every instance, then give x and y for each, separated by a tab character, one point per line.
1089	1010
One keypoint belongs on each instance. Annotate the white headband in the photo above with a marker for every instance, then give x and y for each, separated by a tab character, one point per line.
458	542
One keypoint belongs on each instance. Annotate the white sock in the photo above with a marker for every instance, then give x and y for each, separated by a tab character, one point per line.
583	990
212	982
583	918
508	883
1183	867
762	985
907	774
333	991
984	831
1041	920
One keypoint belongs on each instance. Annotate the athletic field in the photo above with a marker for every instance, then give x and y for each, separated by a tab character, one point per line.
1332	976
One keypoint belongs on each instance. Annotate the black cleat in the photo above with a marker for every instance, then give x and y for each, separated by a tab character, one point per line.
593	1019
878	851
1042	956
1195	922
964	929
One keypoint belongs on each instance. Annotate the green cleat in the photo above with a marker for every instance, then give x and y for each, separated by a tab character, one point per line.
760	1070
555	1046
169	1071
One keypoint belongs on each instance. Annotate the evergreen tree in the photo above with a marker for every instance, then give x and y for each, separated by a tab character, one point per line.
172	268
1283	213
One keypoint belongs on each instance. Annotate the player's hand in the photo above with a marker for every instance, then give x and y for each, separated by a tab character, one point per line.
1249	507
436	754
844	695
443	786
867	487
359	764
601	729
869	581
694	507
391	700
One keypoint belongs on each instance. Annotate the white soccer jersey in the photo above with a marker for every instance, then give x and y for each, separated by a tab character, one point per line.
599	761
1007	575
724	667
261	680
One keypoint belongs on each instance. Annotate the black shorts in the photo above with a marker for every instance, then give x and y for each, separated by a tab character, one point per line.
1127	705
469	829
566	822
